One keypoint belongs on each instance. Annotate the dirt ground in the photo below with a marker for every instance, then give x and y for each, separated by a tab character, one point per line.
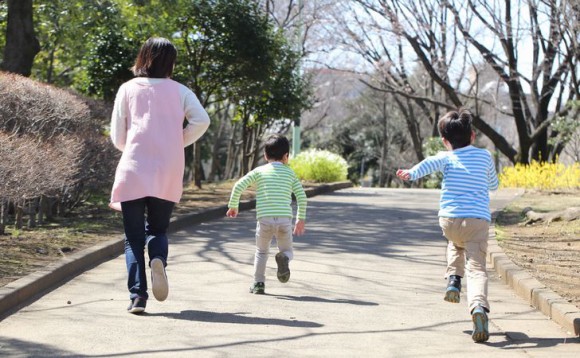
551	252
548	251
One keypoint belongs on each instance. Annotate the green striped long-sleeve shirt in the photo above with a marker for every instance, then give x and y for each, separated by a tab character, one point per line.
275	184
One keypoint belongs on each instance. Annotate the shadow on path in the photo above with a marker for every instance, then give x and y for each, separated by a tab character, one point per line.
234	318
11	347
324	300
519	340
380	229
14	347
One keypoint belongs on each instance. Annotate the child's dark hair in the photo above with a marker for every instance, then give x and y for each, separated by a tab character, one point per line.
276	147
156	58
455	126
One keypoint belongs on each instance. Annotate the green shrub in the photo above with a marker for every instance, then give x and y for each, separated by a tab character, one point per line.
320	166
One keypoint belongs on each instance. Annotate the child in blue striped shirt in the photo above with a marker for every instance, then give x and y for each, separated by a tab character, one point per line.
464	215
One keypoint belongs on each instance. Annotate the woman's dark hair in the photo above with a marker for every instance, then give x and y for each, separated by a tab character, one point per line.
276	147
156	59
455	126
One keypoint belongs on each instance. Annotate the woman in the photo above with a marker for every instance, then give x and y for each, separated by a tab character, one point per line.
147	126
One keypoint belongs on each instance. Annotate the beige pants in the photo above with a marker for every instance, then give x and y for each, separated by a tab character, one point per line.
468	241
267	229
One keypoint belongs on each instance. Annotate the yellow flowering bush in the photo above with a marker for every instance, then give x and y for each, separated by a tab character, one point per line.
543	176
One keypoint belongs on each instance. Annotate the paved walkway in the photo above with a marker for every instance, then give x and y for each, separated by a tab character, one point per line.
366	282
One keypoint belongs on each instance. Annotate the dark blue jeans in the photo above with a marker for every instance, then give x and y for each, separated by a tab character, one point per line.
144	231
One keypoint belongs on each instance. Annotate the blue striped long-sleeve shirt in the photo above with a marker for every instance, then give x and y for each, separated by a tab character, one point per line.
468	176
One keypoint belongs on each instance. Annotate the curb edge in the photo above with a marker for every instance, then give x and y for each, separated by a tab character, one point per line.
530	289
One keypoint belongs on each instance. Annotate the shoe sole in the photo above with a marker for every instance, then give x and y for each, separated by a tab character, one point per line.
480	330
159	280
452	295
136	310
283	269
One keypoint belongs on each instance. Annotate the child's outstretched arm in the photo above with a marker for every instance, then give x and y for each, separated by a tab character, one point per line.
425	167
403	174
237	191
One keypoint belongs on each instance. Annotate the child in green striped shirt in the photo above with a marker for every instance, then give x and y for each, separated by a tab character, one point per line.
275	184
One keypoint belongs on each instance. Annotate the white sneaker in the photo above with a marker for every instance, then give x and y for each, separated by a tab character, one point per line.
159	280
137	305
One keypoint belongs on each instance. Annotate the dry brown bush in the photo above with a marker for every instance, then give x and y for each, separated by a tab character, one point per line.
52	146
39	110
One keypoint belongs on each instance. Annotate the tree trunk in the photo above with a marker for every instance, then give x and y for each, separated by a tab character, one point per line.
60	208
412	125
245	141
50	70
214	171
50	208
231	153
556	151
383	163
259	132
31	213
384	145
215	157
41	209
3	211
189	163
197	167
540	151
235	168
18	221
21	43
382	171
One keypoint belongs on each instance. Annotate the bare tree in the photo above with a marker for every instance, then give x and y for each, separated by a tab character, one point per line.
377	122
551	66
447	39
387	67
300	20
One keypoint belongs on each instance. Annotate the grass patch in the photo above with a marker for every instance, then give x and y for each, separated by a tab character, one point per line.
500	234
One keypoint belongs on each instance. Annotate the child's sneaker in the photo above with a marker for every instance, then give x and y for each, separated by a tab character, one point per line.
258	288
159	280
480	325
283	269
137	305
452	294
